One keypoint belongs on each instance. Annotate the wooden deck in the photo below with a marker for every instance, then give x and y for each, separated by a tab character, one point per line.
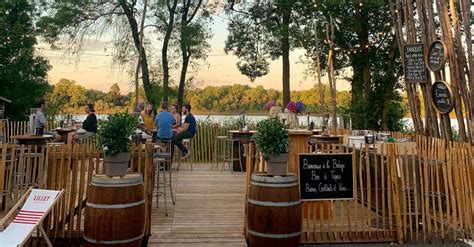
209	209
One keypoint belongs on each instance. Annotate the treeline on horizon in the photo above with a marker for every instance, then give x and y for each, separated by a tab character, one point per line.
67	97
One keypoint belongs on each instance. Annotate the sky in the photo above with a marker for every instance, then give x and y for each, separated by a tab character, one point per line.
95	69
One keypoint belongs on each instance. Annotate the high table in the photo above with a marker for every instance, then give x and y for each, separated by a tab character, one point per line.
31	139
63	132
327	140
298	144
317	131
244	138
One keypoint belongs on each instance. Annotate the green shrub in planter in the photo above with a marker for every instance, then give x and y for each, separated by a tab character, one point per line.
114	136
271	137
115	132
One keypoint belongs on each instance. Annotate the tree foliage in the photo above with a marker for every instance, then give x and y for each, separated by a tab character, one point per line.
232	99
22	72
365	41
260	31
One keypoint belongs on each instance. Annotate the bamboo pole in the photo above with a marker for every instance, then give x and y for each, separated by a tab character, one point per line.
318	71
331	77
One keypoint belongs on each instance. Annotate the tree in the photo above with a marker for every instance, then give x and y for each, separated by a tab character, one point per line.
113	96
364	40
193	37
68	94
68	23
22	72
166	22
267	30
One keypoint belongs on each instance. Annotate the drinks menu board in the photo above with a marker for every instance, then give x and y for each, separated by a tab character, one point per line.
415	69
326	176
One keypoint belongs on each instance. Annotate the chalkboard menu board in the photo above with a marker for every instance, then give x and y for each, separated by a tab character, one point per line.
415	69
442	97
326	176
437	56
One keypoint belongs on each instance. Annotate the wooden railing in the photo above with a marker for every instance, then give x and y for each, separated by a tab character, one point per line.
202	147
416	193
65	167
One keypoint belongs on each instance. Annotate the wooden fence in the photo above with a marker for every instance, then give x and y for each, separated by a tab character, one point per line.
65	167
202	145
418	193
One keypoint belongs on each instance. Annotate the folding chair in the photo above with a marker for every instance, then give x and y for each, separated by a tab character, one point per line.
38	203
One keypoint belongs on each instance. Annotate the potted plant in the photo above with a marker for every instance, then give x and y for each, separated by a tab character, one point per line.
272	140
114	136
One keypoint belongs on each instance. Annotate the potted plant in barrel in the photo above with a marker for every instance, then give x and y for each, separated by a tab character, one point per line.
114	136
272	140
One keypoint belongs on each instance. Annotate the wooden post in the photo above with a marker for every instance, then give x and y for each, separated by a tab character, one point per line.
318	71
332	79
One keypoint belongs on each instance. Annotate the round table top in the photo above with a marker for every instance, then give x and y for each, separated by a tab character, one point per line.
63	130
328	137
31	137
242	132
300	132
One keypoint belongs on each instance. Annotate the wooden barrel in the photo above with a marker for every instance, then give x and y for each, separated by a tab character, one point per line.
274	211
115	212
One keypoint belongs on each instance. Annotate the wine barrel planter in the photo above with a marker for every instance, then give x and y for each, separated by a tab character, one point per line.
274	211
115	212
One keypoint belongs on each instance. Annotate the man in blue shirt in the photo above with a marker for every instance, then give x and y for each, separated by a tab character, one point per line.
164	123
187	131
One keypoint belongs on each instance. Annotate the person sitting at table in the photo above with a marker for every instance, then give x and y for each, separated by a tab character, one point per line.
40	121
89	125
177	117
148	121
187	131
164	123
148	117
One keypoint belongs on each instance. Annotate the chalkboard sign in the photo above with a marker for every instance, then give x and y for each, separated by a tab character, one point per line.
437	56
415	69
326	176
442	97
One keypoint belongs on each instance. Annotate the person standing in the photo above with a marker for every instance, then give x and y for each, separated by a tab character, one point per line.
186	132
164	123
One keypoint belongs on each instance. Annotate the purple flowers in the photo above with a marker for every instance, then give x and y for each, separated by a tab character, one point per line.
270	104
296	107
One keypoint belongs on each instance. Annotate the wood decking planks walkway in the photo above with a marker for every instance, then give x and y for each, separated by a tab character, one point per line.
209	209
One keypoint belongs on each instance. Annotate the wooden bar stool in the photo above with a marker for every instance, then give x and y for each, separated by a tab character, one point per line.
189	145
229	154
163	166
219	150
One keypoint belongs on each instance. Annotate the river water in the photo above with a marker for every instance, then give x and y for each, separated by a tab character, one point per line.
215	118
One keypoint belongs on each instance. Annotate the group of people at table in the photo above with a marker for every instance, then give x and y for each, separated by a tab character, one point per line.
165	126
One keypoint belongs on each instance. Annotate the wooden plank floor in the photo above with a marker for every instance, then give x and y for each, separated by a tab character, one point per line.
209	209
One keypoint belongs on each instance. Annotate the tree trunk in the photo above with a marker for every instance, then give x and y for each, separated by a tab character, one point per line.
136	40
388	94
184	55
164	49
142	24
182	82
285	48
